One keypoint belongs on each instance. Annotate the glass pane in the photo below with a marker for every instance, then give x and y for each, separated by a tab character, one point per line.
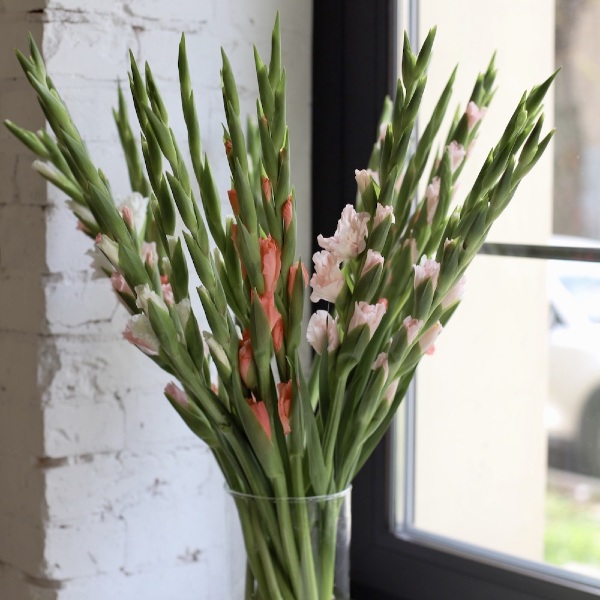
577	105
508	416
507	426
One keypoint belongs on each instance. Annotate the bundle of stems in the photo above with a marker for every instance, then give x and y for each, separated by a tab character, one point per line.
392	275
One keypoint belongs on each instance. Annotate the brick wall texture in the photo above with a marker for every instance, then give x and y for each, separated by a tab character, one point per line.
103	492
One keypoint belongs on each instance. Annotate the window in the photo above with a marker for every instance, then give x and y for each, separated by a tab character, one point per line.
405	546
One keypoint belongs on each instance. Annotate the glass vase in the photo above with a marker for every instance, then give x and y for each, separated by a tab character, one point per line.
297	548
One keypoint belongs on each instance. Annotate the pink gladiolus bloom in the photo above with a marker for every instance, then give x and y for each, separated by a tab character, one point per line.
474	114
270	257
367	314
144	295
383	301
284	404
327	281
349	238
432	196
139	332
457	154
383	131
246	359
427	340
390	392
233	200
428	268
292	277
322	330
149	254
176	393
412	326
167	292
287	213
119	284
382	213
373	259
127	215
381	362
455	294
363	179
260	411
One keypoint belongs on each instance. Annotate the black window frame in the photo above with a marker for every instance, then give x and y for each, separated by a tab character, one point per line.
354	68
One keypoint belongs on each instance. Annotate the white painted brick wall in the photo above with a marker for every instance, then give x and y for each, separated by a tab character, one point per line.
103	491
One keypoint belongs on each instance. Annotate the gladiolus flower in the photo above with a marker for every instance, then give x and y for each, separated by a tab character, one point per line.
373	260
287	213
432	196
427	340
139	332
382	213
270	257
260	412
265	184
390	392
149	254
119	284
177	394
363	179
349	238
428	268
144	295
321	330
292	277
134	208
109	248
412	326
457	154
383	129
233	200
183	310
167	293
327	281
381	362
228	148
455	294
367	314
474	114
284	404
274	317
246	361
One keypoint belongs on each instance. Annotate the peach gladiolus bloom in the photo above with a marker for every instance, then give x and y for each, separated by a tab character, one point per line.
284	404
246	358
260	412
233	200
270	258
287	212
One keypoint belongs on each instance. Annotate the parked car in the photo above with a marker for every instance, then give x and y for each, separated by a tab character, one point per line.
573	410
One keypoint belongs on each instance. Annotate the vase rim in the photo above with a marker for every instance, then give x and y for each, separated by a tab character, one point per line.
321	497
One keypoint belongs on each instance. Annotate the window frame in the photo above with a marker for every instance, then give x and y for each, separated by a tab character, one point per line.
354	68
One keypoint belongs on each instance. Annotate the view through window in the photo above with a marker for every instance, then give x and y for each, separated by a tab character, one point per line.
503	449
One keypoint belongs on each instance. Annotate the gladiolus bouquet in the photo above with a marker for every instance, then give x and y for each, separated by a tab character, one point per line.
392	275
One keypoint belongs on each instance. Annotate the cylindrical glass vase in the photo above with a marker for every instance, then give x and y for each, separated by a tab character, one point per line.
297	548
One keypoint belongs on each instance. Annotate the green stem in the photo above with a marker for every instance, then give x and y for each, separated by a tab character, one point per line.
307	563
286	529
328	548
